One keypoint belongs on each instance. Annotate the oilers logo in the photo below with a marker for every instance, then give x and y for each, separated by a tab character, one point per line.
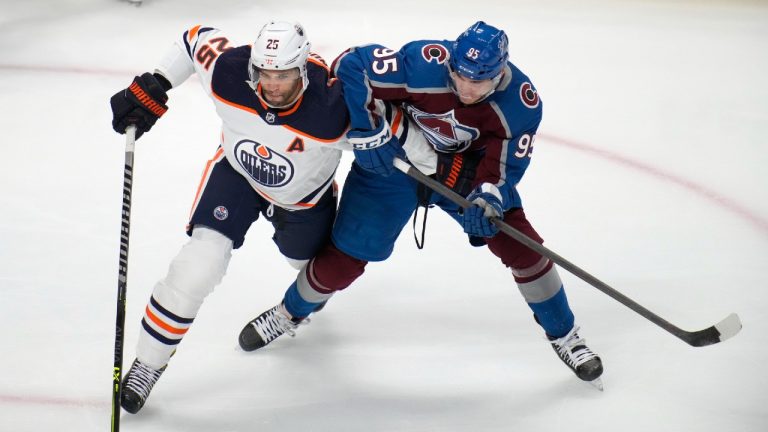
443	131
220	213
263	165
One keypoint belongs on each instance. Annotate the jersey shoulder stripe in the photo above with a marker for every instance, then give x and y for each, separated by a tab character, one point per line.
517	102
192	36
318	60
323	111
320	114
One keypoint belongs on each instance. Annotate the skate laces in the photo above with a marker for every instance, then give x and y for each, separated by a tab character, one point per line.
573	349
275	323
142	378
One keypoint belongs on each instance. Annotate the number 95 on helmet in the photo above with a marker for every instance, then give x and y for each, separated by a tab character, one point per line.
480	53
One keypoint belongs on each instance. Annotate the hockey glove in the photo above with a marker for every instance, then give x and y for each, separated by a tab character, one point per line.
487	203
375	150
141	104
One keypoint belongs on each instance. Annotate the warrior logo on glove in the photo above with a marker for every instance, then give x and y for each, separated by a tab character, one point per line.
141	104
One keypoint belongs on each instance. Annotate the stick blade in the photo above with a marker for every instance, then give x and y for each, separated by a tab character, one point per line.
729	327
724	330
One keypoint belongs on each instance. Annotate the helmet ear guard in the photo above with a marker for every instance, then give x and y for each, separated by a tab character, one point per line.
279	46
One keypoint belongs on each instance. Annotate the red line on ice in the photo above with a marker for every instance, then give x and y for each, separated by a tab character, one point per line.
712	196
709	194
51	401
63	69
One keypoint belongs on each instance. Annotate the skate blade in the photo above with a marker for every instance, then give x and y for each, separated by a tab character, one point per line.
596	383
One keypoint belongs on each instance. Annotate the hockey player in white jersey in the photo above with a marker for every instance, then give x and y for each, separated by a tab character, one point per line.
283	128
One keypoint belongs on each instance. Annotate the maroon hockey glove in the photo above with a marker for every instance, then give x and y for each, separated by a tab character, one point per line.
141	104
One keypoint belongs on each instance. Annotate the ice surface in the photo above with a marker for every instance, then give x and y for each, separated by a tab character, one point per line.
649	172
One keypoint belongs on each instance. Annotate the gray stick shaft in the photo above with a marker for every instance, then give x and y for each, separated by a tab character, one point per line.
700	338
122	276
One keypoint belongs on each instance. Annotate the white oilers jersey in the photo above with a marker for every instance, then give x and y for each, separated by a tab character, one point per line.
288	156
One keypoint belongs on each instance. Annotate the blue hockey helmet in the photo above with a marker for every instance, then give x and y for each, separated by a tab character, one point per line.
480	53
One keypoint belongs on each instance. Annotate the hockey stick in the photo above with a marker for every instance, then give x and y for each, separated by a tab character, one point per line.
719	332
122	276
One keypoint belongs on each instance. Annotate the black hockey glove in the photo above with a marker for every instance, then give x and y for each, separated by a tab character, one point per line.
141	104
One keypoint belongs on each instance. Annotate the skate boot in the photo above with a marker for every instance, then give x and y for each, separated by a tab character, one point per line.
574	352
267	327
137	384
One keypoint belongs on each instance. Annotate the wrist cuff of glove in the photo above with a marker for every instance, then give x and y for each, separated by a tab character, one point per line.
367	140
490	189
164	83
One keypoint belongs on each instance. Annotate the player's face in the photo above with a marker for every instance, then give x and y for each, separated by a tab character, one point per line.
471	91
281	87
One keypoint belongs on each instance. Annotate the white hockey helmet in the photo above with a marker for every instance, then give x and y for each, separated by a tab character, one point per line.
280	45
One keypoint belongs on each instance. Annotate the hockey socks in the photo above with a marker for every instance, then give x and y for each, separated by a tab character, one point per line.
554	315
296	305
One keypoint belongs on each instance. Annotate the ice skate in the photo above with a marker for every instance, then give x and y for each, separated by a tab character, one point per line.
574	352
137	384
267	327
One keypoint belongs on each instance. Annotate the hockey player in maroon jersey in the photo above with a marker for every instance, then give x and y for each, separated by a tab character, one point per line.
480	113
283	130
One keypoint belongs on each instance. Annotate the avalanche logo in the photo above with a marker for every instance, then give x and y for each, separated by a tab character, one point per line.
265	167
443	131
434	52
529	96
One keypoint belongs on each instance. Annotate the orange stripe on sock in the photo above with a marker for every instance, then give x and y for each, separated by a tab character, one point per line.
170	329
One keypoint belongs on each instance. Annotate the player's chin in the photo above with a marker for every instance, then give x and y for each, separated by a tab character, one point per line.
469	100
275	100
